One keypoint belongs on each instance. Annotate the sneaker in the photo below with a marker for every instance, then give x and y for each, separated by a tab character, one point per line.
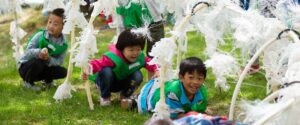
254	69
48	84
126	103
105	101
31	86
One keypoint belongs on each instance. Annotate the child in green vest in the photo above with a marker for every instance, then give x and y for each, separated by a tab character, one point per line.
188	93
119	69
137	13
45	52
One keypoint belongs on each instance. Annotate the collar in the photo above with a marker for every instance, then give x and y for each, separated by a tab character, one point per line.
184	100
113	49
48	36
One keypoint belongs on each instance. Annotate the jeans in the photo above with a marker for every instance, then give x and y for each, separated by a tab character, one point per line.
108	82
37	69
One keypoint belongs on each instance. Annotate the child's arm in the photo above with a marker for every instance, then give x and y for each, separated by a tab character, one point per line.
176	109
150	68
32	50
57	60
98	64
180	115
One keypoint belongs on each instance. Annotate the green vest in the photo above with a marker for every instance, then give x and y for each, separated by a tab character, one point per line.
122	69
134	15
53	48
174	86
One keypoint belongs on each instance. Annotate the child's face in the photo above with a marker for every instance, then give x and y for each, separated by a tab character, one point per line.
55	25
191	82
131	53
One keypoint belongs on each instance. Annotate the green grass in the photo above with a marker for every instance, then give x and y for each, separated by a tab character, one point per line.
22	106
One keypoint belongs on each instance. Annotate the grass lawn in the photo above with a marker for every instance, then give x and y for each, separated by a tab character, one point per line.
22	106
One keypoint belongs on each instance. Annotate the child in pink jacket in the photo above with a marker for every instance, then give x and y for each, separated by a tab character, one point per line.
119	69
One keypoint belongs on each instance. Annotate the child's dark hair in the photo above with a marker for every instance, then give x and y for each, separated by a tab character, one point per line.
192	64
127	38
58	12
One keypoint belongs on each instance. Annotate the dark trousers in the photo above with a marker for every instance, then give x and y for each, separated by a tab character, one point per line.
37	69
157	32
244	4
108	82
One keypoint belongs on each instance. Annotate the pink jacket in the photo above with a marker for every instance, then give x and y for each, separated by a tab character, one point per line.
98	64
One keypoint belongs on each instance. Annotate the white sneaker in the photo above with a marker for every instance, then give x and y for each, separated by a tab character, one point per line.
105	101
48	84
30	86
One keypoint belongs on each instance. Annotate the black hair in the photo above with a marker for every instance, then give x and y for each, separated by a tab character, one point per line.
127	38
58	12
192	64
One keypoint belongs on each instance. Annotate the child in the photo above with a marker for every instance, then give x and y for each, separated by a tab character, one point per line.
46	51
119	69
183	95
138	14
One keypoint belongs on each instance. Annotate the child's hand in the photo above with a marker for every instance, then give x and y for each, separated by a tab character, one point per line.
156	74
44	54
208	111
84	76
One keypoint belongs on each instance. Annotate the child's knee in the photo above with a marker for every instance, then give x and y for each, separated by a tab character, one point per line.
138	78
106	72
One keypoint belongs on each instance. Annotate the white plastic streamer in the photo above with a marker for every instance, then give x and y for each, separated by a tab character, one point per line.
285	110
8	6
275	62
142	32
215	22
50	5
87	47
288	12
63	92
5	7
252	30
222	65
74	18
16	34
163	53
105	6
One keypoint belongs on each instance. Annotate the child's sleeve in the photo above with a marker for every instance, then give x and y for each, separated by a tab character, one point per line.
57	60
201	107
98	64
174	105
32	49
150	68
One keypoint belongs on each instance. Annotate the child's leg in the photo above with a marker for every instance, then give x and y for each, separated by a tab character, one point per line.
53	72
133	82
30	70
143	101
157	32
104	81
